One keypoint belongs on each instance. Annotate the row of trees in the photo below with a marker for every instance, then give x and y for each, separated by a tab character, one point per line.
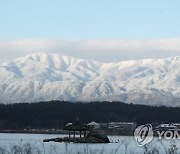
55	114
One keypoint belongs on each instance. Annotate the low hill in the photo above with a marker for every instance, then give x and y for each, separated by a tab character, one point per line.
55	114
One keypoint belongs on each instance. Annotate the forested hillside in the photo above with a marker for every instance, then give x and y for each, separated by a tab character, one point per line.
55	114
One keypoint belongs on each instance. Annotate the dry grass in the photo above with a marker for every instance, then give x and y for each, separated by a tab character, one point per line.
29	148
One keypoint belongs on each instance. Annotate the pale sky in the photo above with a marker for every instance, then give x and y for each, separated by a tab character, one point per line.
98	29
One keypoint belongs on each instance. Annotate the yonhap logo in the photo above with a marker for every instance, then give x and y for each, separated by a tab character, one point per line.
143	134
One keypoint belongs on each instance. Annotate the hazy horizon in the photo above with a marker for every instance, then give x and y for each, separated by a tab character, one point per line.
94	49
106	31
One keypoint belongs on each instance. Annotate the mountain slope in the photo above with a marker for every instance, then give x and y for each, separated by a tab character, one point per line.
42	77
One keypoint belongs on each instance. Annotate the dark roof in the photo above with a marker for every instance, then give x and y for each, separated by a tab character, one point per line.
77	126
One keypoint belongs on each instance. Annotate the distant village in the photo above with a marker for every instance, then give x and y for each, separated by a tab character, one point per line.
112	128
121	128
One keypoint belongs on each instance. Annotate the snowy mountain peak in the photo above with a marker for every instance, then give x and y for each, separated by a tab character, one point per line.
41	77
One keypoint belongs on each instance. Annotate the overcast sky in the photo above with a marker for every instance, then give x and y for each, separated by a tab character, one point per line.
104	30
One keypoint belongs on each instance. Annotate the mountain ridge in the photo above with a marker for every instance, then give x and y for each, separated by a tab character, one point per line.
44	77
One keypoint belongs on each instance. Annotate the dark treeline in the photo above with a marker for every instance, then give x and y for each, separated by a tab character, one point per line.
55	114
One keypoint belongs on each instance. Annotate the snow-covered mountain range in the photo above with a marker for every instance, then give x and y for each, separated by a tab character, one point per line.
43	77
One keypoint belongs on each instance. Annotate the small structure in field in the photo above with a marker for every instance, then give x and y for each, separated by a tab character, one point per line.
94	125
77	127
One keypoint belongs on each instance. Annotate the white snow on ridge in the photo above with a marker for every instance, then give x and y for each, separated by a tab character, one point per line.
42	77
